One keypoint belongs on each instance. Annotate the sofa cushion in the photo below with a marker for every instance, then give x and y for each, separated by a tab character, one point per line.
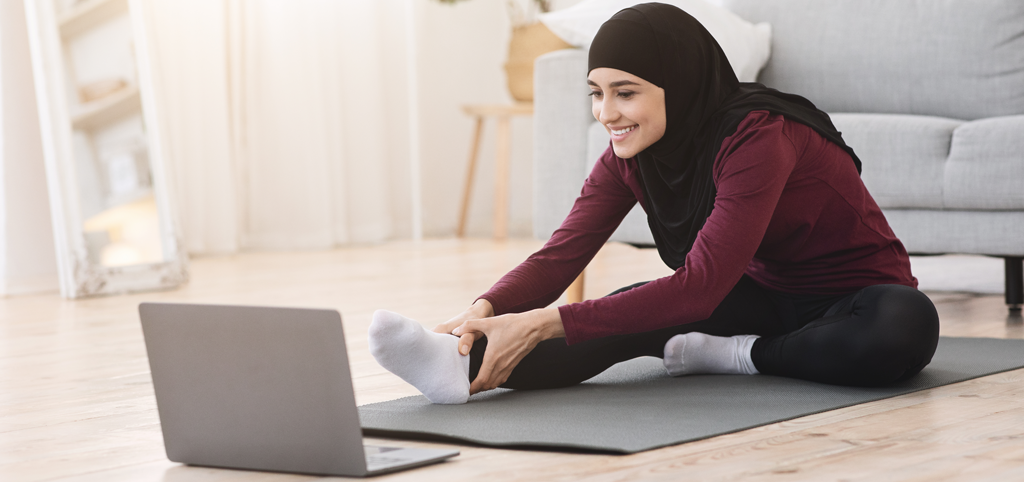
976	232
985	170
904	156
920	162
962	59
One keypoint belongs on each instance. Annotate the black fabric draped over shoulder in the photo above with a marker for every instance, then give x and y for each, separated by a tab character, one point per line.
704	104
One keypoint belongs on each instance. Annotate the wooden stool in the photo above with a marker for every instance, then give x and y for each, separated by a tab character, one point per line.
502	112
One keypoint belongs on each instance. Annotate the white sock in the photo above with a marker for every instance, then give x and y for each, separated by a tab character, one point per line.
429	361
697	353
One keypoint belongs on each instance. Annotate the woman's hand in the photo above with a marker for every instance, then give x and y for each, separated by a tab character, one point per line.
509	338
480	309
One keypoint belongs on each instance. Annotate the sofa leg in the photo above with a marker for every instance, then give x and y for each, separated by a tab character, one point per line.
1014	282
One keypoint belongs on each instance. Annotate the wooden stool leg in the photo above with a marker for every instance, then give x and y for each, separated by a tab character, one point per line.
501	179
575	291
468	189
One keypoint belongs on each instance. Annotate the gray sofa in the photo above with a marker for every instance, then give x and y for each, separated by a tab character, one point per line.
930	94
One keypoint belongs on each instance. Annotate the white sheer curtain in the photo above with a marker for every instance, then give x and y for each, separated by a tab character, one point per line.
280	121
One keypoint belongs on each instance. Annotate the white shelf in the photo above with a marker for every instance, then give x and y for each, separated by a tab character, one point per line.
89	14
103	111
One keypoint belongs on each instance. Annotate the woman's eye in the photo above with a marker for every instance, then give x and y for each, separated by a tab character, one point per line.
626	94
595	93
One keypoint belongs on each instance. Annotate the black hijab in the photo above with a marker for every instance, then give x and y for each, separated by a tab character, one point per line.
704	104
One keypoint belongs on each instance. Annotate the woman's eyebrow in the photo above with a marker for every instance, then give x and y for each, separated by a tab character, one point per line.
617	83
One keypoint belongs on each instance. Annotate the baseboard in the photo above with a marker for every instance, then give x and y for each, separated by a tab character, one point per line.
28	285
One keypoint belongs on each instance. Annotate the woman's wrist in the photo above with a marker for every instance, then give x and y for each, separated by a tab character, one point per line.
549	324
482	308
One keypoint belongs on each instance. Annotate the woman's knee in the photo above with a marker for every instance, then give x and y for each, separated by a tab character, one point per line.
903	333
898	314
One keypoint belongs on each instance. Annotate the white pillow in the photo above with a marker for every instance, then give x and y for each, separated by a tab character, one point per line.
747	46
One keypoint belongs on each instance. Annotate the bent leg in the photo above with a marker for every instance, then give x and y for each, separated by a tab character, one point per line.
878	335
746	310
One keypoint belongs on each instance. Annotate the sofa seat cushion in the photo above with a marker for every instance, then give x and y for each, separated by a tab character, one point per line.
904	156
985	170
929	231
920	162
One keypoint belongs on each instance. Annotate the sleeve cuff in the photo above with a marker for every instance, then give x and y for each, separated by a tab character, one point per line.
496	306
569	325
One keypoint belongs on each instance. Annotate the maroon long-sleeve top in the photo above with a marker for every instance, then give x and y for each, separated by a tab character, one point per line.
790	211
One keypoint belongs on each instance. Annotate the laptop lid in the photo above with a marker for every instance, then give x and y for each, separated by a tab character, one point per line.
254	387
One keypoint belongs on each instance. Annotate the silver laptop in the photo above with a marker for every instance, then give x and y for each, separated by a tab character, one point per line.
262	389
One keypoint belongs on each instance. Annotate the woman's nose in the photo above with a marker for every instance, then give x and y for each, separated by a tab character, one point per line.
608	112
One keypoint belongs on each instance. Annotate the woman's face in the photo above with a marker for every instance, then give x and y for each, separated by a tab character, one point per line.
631	109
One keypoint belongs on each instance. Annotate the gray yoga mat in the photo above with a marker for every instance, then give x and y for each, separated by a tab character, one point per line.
635	406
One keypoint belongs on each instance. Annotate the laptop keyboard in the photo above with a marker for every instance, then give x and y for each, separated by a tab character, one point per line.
375	459
378	460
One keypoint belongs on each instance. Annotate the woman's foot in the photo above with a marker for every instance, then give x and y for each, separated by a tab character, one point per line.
697	353
428	361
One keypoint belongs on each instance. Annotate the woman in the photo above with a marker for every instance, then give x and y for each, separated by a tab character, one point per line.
784	264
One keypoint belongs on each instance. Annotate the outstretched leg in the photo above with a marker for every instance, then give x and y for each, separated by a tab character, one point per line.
428	361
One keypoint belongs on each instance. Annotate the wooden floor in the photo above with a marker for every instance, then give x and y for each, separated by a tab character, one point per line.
76	402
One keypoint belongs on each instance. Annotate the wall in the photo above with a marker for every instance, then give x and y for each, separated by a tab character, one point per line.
462	51
27	257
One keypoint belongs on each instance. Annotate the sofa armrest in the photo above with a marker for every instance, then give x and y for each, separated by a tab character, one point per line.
562	115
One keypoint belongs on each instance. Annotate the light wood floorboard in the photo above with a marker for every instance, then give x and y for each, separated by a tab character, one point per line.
76	402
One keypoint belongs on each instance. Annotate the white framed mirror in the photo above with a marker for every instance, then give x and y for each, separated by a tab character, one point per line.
114	226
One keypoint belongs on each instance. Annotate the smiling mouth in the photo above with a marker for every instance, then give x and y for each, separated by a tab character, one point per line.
622	131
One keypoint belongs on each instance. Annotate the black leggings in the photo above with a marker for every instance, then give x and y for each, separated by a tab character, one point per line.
878	335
